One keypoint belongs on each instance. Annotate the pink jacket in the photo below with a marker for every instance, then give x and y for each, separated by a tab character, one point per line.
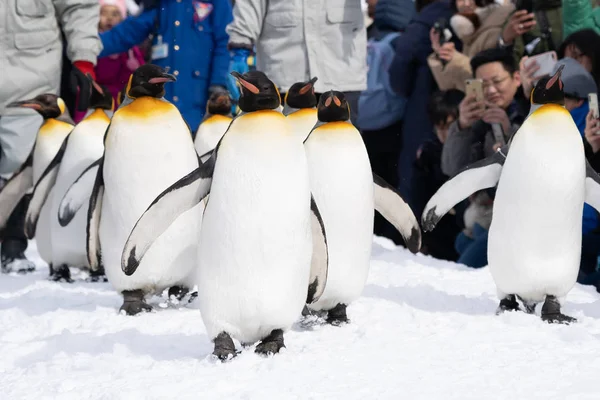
113	72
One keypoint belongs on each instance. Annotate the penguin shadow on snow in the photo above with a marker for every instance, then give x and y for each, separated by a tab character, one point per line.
427	298
170	347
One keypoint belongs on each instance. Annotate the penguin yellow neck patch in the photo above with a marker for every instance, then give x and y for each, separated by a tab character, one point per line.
547	109
263	114
217	118
52	125
336	126
303	112
98	114
145	107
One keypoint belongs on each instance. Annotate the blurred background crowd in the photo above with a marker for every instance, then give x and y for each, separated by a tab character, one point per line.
406	68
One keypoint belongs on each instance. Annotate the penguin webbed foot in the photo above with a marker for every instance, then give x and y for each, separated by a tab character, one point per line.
509	303
337	315
61	274
271	344
97	276
178	293
551	312
133	302
224	347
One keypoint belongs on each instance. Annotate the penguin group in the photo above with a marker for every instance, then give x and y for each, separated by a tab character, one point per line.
269	213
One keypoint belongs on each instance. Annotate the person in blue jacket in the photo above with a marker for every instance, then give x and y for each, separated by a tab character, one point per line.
188	38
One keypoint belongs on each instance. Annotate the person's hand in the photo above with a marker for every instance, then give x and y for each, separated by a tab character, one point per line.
520	22
238	63
470	111
527	71
496	115
434	37
82	76
592	131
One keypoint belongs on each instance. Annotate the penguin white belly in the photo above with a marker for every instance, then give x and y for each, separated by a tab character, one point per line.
50	139
342	184
534	241
143	157
84	147
303	121
255	242
210	132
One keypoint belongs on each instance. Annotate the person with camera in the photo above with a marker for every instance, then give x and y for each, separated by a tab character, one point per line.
474	136
477	23
535	27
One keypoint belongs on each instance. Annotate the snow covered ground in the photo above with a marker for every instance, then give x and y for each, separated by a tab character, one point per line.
423	329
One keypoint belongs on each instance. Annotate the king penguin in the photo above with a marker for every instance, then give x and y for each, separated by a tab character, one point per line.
81	147
262	245
543	179
215	123
347	191
301	107
147	147
50	137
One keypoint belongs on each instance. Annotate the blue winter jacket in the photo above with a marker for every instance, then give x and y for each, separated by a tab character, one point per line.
410	77
194	32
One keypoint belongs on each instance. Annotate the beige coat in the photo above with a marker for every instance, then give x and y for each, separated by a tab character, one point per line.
453	75
31	45
297	40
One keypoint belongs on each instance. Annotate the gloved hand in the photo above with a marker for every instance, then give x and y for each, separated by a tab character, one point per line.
238	63
81	76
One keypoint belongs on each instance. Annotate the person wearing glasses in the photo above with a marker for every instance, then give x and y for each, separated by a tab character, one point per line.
481	128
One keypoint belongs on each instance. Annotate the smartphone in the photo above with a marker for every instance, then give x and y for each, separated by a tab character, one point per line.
547	61
593	103
474	87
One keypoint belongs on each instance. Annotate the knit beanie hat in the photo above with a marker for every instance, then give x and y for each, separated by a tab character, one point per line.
120	4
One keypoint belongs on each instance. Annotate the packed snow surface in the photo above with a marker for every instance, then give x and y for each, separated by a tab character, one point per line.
423	329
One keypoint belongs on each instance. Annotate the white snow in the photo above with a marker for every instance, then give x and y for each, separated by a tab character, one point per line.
423	329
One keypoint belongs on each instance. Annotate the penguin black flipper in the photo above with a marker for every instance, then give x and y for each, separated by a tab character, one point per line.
14	190
480	175
42	189
77	194
393	208
592	187
164	210
93	220
320	256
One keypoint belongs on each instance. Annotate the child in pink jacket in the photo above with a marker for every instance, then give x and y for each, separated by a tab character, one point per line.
113	71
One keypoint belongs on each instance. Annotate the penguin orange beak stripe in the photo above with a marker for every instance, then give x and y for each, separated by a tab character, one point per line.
25	104
556	77
328	102
337	101
98	87
308	86
253	89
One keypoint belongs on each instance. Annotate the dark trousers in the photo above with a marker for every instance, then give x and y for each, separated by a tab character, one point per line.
14	241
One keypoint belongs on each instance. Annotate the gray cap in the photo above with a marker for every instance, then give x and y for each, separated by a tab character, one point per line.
577	80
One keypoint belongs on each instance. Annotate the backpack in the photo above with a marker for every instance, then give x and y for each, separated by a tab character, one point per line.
379	106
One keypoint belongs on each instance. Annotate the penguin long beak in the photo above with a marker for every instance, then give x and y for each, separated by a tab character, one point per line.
163	78
26	104
309	85
556	78
253	89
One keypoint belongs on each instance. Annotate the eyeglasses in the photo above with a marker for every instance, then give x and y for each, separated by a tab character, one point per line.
495	82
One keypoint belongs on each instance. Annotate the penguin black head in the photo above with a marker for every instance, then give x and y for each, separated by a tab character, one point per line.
549	90
333	107
258	92
101	97
302	95
219	103
47	105
148	80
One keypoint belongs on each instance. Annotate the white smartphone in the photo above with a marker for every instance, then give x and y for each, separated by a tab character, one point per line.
593	103
474	87
546	62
